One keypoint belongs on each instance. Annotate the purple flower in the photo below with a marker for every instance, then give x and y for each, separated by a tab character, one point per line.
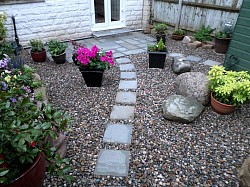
4	86
13	99
27	89
4	63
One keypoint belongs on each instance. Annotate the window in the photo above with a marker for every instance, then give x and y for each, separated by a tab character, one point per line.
11	2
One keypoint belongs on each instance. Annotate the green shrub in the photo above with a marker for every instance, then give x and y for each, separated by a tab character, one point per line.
56	47
204	34
159	47
36	45
229	87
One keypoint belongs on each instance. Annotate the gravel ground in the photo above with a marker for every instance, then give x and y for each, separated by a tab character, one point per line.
206	152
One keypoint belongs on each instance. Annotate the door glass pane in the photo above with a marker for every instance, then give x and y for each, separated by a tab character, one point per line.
115	10
99	11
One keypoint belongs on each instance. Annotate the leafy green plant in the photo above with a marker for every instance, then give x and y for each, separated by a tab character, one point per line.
179	32
36	45
25	126
204	34
6	49
39	96
56	47
229	87
222	35
160	28
3	30
159	47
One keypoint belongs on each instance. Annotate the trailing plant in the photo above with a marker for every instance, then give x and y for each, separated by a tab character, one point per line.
25	126
179	32
36	45
160	28
159	47
229	87
204	34
56	47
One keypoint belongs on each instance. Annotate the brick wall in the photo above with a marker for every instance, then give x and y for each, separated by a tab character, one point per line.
62	19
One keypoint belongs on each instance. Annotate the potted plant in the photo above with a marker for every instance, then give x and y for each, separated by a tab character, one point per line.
92	63
204	34
26	131
229	89
178	34
3	18
157	55
38	53
222	41
160	30
57	51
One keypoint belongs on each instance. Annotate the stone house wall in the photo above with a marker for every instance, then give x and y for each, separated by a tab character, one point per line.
64	19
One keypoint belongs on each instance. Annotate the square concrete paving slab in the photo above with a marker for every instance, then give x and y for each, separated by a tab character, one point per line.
123	60
128	75
131	41
122	112
175	55
112	162
136	51
127	85
211	63
126	97
117	55
127	67
193	58
118	133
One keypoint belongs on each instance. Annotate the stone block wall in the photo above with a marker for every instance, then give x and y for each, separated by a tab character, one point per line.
63	19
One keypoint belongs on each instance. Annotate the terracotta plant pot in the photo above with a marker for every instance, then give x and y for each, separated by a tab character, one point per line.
39	56
221	108
33	176
60	59
221	45
177	37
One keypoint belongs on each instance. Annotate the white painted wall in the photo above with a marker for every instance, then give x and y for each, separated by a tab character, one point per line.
63	19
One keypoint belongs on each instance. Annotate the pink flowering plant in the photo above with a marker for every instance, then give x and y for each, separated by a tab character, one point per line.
94	59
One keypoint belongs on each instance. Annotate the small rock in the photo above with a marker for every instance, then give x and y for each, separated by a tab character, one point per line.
208	46
186	40
180	65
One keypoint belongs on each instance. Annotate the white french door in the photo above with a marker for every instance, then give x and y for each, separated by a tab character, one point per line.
107	14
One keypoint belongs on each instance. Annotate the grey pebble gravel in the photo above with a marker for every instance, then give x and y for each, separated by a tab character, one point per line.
206	152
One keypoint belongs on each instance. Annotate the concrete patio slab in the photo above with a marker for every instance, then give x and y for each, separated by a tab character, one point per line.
122	112
127	67
211	63
128	75
126	97
193	58
128	84
112	162
123	60
118	133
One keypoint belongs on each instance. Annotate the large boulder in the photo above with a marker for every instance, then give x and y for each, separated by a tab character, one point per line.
244	173
180	65
194	85
181	109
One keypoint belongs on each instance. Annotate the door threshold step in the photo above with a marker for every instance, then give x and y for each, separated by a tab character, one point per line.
111	32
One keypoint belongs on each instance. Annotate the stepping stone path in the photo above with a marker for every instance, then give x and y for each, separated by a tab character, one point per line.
116	162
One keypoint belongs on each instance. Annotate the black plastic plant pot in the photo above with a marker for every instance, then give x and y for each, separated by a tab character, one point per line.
157	59
161	36
92	77
60	59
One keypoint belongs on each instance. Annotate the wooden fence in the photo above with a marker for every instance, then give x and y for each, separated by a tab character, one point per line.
192	14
